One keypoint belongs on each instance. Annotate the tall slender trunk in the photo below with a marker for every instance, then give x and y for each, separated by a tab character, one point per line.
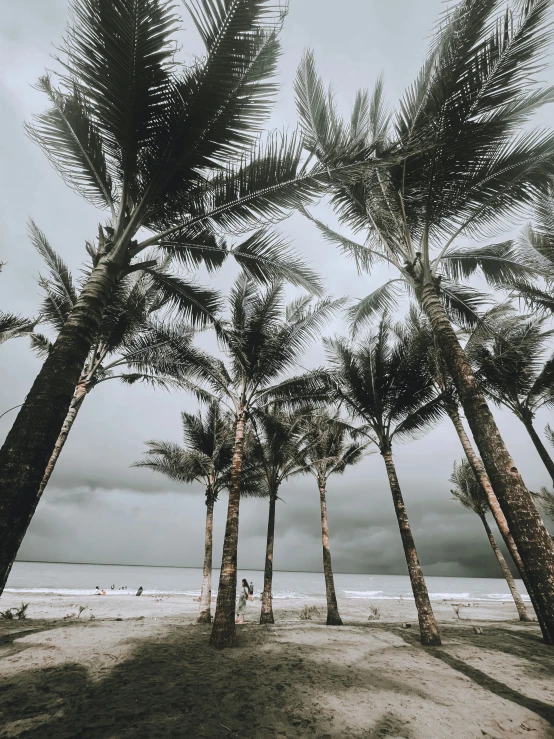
30	443
530	535
429	630
539	446
333	616
505	570
81	393
479	471
266	616
223	629
205	616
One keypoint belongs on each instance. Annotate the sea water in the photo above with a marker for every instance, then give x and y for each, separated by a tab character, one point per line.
82	579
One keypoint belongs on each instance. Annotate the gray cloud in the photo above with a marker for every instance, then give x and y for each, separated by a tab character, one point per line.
97	508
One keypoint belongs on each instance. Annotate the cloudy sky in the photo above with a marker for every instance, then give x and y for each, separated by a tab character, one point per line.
97	508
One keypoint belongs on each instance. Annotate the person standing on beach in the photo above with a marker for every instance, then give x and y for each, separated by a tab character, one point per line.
243	597
251	589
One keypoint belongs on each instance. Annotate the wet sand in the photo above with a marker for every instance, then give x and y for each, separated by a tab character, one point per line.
141	667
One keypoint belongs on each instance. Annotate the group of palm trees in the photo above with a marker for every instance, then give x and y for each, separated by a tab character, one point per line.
178	157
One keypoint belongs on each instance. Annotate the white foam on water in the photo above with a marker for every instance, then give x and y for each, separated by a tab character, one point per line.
450	596
363	593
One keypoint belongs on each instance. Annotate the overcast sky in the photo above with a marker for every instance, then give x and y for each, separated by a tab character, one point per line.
98	509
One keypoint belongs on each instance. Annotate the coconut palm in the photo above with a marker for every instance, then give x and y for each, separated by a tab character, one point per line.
261	341
326	449
384	382
163	148
205	458
277	431
466	164
515	368
132	343
469	493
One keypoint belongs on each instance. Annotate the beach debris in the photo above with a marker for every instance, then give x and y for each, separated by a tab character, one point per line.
457	609
308	612
478	630
406	626
81	609
11	613
375	613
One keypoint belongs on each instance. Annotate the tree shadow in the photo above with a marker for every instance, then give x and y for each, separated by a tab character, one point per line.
544	710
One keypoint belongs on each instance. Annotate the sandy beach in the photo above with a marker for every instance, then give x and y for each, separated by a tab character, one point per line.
141	667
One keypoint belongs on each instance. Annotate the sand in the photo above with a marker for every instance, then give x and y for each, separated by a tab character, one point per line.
141	667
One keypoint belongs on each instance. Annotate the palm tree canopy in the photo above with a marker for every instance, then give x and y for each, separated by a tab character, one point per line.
467	489
278	434
176	148
545	499
206	454
328	445
262	340
465	159
513	364
385	381
133	341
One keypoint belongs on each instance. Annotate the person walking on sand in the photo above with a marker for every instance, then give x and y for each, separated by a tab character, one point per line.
243	597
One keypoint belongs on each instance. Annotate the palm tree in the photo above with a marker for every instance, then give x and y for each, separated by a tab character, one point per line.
326	449
261	341
205	458
469	493
162	147
131	345
514	372
385	382
444	385
277	432
465	161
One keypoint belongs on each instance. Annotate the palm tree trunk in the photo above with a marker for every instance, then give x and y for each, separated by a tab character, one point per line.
205	616
539	446
430	635
30	443
266	616
505	571
333	616
80	394
481	476
531	537
223	629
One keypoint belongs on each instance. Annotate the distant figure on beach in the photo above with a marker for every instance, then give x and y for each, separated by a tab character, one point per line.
103	592
139	591
97	591
251	589
243	597
112	587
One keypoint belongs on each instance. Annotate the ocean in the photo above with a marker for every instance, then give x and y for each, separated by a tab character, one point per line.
82	579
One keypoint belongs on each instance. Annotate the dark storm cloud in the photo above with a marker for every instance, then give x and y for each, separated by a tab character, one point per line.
97	507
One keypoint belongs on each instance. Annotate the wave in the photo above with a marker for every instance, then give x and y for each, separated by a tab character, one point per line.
363	593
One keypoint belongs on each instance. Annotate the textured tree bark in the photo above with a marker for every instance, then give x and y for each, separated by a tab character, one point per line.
30	443
481	475
205	616
430	635
505	571
266	616
223	629
333	616
530	535
539	446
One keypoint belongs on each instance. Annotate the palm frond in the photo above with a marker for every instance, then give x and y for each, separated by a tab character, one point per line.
500	264
462	303
12	326
266	257
384	299
198	305
467	489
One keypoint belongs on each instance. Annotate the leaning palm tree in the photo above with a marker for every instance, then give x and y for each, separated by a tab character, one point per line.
161	147
277	433
384	382
466	163
469	493
515	368
132	343
205	458
327	448
261	340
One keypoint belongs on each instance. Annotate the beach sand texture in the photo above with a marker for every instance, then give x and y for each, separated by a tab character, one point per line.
152	673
